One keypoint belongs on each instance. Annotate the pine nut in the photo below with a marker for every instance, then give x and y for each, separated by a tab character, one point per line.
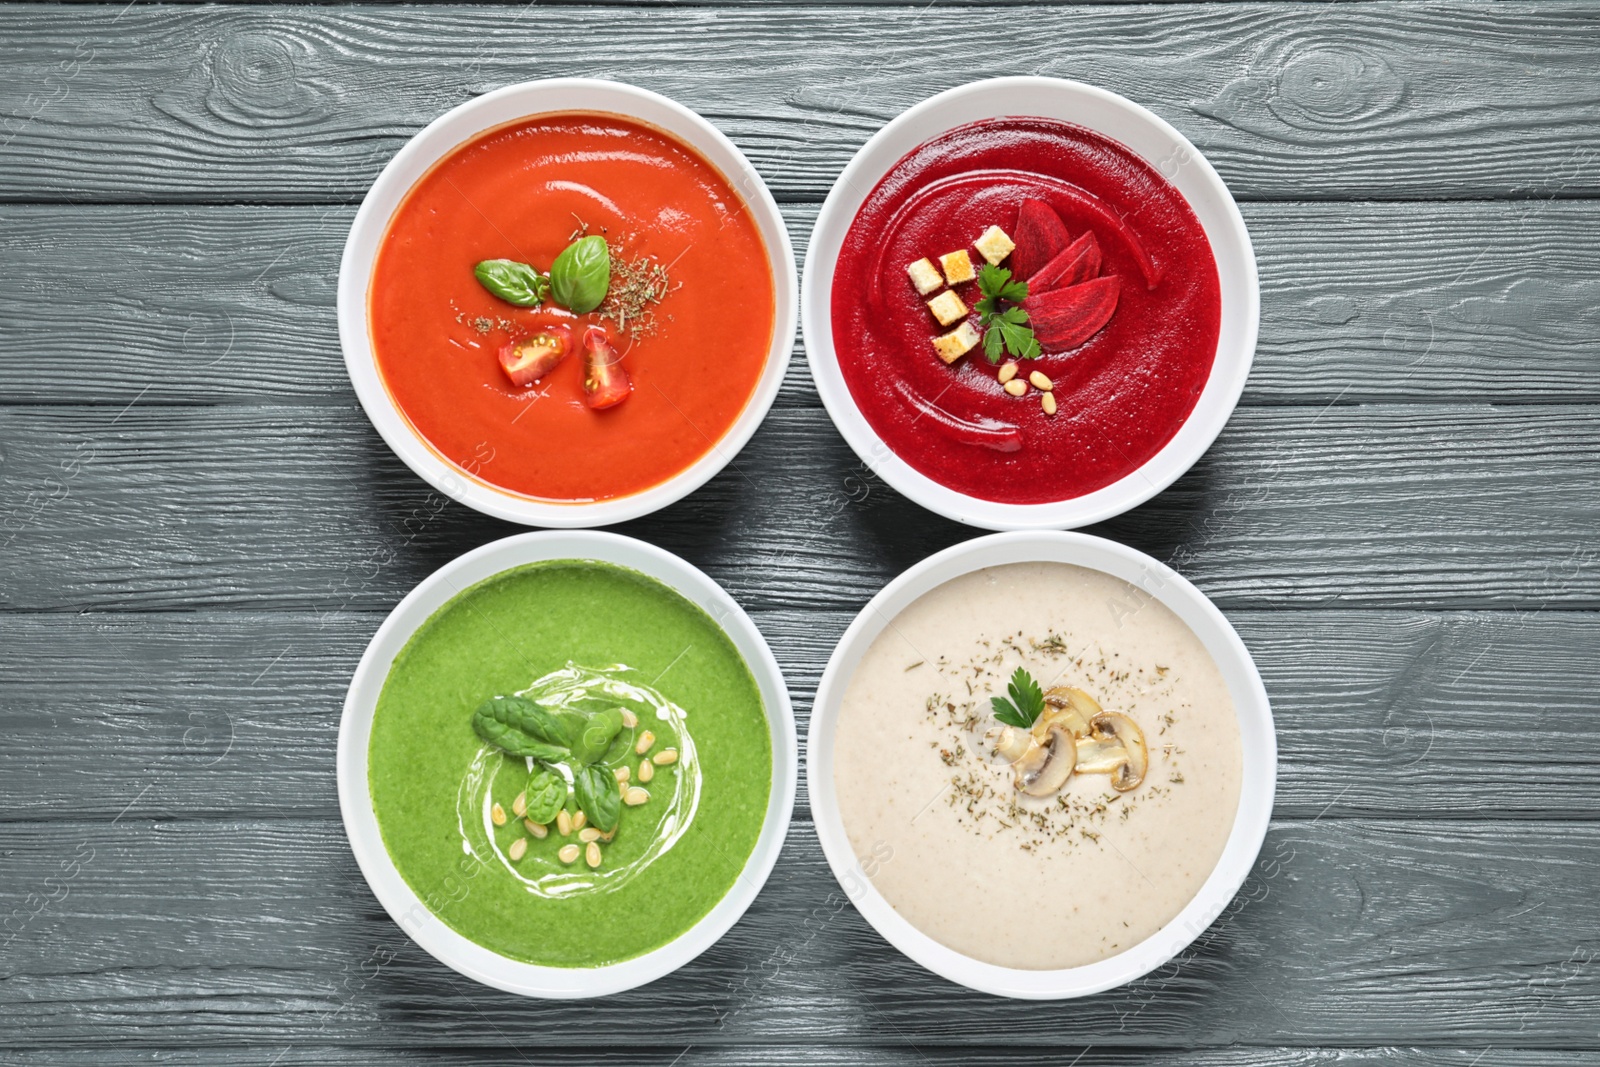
1048	402
518	849
629	719
622	774
665	756
642	746
1040	382
1008	371
563	823
579	821
635	797
537	829
592	855
607	837
519	806
497	815
1016	387
568	853
647	770
588	834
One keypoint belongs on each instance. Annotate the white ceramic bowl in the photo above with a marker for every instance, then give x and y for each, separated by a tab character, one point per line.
1148	136
468	121
1258	743
361	823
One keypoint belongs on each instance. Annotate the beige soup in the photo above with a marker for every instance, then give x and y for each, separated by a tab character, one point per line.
935	814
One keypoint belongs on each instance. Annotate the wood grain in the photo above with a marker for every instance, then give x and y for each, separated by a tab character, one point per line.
1289	101
199	531
483	1052
152	507
1348	932
213	715
1360	302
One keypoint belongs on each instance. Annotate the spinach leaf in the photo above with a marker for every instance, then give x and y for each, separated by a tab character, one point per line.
598	732
569	724
597	793
520	727
546	795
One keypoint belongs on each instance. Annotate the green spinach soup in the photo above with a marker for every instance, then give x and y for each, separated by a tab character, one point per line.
570	763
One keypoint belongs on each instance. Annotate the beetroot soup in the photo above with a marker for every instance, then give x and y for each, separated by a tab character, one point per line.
1025	311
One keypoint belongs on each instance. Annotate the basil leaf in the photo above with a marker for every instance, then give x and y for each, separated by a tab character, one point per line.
581	274
597	793
520	727
545	796
598	733
515	283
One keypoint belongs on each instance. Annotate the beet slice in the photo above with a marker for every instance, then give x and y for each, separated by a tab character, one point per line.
1041	235
1078	262
1065	318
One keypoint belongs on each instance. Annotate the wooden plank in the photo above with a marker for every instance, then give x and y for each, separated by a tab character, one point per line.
1349	932
1391	100
174	886
1361	302
152	507
205	715
815	1055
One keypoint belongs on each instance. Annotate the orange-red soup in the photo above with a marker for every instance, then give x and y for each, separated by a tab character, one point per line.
520	192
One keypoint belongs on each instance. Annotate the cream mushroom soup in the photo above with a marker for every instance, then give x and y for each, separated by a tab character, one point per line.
1038	764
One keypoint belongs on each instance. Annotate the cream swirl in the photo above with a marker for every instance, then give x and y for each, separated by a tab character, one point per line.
663	822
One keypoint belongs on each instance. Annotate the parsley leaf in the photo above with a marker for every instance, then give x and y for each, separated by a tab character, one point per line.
1005	327
1019	340
1027	701
996	283
991	345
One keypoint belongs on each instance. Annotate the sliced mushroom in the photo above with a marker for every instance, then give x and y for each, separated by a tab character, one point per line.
1062	718
1100	755
1010	744
1115	746
1045	768
1069	707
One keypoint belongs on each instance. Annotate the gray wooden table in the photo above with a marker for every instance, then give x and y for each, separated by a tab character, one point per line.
201	530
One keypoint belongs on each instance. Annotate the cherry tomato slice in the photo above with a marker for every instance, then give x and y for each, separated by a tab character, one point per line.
605	383
528	360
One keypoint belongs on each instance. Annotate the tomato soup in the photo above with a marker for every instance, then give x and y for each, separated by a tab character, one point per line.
1086	411
694	352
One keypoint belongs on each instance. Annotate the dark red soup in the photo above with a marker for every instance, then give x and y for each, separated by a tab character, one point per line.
1123	303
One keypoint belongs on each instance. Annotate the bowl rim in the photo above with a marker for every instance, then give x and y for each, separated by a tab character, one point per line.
1258	745
1230	369
459	126
359	817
